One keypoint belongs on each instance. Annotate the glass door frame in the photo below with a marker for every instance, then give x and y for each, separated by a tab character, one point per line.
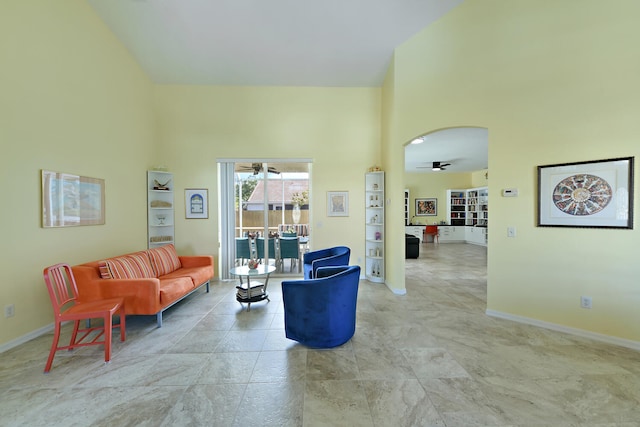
226	205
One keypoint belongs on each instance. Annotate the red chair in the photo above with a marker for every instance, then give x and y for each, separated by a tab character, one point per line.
63	292
432	230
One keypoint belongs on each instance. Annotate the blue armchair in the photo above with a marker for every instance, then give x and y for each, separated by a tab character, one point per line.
321	312
338	255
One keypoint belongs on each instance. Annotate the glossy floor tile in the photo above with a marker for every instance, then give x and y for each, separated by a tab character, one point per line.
427	358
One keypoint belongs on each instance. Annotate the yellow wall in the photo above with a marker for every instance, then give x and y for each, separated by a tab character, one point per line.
480	178
553	81
74	101
433	185
339	128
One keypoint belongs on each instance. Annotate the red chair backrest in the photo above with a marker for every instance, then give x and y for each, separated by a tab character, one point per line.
61	286
431	229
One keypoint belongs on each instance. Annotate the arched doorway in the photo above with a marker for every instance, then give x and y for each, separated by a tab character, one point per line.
446	170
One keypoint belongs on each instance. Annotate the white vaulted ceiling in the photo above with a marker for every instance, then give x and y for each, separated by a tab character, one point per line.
466	148
343	43
328	43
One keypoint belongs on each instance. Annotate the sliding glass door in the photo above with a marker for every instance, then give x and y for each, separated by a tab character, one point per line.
270	218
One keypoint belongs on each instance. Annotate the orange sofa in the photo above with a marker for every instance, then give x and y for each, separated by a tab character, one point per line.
150	281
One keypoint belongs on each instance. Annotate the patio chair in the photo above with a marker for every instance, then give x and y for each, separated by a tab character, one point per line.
272	249
243	249
289	249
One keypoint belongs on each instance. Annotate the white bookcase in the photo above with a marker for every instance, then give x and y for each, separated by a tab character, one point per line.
160	209
374	226
407	207
456	207
477	206
468	216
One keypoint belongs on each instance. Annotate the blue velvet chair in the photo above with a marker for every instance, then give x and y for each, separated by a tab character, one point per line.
338	255
321	312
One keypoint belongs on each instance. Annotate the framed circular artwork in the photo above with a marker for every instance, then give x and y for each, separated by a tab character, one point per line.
594	194
582	194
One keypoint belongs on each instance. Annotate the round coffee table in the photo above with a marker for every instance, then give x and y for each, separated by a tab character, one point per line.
252	291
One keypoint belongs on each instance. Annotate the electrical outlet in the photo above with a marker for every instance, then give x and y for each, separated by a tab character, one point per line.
9	310
585	302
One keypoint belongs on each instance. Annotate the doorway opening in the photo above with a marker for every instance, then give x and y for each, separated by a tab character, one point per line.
446	187
267	213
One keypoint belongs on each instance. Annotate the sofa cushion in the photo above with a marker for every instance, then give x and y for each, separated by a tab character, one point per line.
131	266
172	289
164	259
198	275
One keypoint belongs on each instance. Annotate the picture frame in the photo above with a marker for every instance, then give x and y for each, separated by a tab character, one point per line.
70	200
196	203
337	203
589	194
426	207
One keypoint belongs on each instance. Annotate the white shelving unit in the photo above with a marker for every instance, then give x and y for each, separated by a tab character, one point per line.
160	209
468	215
407	208
483	206
456	206
374	225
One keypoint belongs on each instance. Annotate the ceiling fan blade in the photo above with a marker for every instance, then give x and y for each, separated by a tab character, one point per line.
256	168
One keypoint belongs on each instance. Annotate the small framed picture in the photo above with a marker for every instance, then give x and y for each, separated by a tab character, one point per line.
196	202
593	194
337	203
426	207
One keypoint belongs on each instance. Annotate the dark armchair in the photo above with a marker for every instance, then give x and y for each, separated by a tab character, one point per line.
411	246
338	255
321	312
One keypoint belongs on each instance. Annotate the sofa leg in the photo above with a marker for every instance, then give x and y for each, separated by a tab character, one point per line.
159	319
207	286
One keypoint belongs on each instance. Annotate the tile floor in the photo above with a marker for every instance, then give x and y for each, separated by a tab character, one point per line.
429	358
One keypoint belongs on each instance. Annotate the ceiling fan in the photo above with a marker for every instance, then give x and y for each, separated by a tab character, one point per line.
437	166
256	168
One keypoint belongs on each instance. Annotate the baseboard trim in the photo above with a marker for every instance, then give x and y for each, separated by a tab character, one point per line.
25	338
396	291
635	345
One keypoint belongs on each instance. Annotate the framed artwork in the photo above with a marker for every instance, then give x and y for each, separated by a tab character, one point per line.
594	194
337	203
196	203
426	207
70	200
